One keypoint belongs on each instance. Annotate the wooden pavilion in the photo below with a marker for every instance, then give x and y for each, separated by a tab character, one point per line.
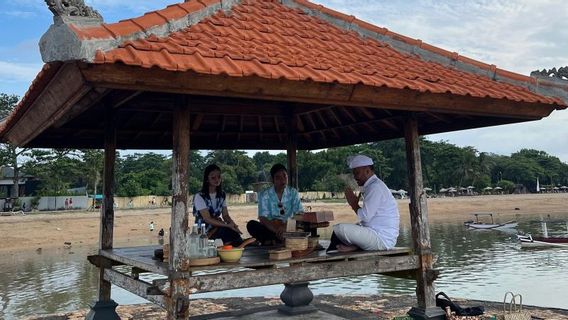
255	74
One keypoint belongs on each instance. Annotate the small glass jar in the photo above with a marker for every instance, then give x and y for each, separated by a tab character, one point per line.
211	249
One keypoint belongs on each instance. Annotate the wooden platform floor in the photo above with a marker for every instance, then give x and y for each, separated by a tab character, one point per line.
253	257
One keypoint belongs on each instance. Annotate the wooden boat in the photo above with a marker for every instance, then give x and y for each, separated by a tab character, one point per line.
530	241
545	240
479	224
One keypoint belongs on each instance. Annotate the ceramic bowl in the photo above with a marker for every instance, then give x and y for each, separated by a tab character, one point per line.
230	255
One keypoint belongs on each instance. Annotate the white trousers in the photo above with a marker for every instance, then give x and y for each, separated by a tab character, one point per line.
362	237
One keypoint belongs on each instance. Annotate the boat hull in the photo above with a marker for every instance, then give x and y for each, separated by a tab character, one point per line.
486	226
529	242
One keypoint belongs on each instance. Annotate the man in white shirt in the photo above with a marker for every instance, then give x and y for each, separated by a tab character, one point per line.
378	217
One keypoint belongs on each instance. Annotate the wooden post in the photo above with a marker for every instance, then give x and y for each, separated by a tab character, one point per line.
104	308
178	301
291	151
420	231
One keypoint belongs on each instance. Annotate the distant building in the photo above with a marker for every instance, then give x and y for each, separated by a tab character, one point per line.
27	184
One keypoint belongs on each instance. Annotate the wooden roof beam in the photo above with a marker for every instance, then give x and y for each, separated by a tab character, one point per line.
122	97
348	114
260	129
320	116
119	76
366	112
334	116
439	117
389	123
197	122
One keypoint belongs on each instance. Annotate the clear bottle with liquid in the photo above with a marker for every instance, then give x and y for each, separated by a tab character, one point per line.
194	242
203	241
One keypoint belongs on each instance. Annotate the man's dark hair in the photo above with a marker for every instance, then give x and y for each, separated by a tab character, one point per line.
277	168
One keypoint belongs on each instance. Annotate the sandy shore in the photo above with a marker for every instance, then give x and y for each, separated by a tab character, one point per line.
81	228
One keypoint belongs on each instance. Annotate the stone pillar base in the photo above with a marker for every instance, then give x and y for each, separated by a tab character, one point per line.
103	310
434	313
296	297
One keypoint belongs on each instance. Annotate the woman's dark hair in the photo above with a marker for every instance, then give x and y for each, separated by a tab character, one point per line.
277	168
205	186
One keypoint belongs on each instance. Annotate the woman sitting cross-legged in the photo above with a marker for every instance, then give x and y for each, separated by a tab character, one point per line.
210	207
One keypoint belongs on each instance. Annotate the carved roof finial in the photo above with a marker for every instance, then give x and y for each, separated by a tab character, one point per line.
561	73
72	8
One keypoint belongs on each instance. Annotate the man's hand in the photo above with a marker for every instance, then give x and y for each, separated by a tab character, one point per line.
352	199
233	226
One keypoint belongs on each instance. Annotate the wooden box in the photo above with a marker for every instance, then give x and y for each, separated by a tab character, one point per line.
315	216
296	243
280	254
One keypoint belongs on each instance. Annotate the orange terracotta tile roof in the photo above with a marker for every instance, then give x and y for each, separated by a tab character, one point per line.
271	40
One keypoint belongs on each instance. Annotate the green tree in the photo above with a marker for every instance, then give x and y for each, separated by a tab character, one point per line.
243	166
507	186
7	104
94	163
9	154
57	169
148	173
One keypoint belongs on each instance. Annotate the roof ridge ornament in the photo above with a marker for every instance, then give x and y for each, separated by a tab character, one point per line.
74	9
561	73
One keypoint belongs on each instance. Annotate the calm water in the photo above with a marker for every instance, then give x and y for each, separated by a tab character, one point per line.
473	264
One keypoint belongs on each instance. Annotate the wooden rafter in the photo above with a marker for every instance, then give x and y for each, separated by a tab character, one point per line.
334	116
197	122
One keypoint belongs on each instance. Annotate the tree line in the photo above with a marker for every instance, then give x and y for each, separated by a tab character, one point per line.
443	164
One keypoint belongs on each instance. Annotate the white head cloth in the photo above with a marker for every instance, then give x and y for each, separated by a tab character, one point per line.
359	161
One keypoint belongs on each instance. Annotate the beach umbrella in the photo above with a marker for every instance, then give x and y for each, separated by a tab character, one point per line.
487	188
427	189
564	187
497	188
555	188
470	187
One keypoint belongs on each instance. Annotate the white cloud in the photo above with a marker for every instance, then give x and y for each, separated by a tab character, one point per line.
16	72
547	135
109	8
519	36
20	14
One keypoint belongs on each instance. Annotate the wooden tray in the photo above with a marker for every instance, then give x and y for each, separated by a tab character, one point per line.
204	261
302	253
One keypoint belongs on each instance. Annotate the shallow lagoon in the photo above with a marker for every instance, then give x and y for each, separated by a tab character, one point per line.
474	264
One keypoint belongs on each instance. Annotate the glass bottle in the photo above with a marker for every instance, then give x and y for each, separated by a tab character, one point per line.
203	241
211	249
194	242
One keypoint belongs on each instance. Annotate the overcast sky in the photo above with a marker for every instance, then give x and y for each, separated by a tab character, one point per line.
516	35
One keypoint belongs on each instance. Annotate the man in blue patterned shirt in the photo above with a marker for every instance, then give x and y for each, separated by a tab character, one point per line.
275	206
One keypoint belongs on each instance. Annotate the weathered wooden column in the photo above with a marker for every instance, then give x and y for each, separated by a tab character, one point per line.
104	308
296	296
292	150
177	301
420	230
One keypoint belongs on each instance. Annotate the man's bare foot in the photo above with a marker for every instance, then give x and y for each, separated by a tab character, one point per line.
345	248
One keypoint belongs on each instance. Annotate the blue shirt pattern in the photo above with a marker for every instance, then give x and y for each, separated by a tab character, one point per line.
268	204
215	212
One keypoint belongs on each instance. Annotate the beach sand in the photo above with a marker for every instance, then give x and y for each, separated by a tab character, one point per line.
131	227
